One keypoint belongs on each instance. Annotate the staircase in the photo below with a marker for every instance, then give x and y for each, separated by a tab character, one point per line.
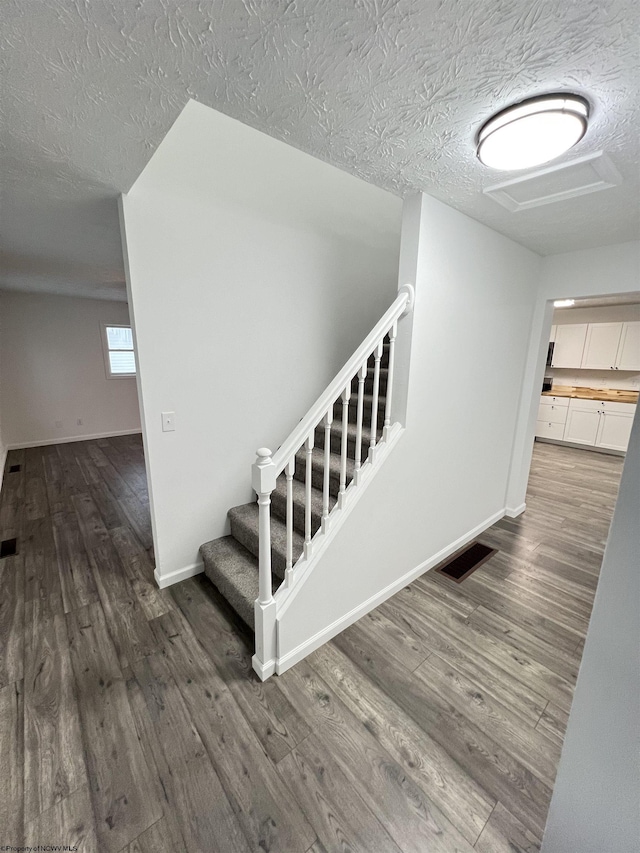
313	476
231	563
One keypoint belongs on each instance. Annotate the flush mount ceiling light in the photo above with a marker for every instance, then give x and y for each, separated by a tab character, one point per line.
564	303
533	132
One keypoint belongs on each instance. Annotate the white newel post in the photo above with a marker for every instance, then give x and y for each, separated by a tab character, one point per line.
263	480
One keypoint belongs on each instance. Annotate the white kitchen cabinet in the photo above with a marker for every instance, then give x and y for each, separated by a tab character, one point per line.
569	345
552	400
552	336
599	423
628	355
546	429
601	346
614	430
582	424
552	414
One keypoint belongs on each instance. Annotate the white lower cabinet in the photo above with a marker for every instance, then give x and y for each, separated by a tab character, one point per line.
552	415
599	423
547	429
614	430
592	423
582	425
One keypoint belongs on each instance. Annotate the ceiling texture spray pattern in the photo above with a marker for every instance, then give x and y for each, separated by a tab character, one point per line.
392	91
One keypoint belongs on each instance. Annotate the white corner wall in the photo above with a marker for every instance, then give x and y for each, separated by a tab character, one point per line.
602	271
596	797
446	479
254	271
52	370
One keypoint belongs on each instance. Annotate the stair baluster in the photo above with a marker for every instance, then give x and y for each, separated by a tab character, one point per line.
387	409
307	496
346	396
374	404
328	420
362	375
290	471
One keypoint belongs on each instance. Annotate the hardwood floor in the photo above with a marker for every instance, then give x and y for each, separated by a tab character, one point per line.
130	718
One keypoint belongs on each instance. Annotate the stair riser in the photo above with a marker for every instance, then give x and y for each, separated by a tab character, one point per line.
216	575
249	538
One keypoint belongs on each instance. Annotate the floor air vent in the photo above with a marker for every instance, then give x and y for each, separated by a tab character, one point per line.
8	547
13	469
460	565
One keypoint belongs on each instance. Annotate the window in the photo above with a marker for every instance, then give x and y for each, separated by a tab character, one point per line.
119	357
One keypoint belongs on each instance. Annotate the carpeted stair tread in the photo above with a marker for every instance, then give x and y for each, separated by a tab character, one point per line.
234	571
352	432
367	406
279	504
317	469
244	527
368	382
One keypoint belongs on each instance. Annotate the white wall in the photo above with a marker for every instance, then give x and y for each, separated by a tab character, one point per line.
604	314
447	477
596	797
254	271
600	271
52	369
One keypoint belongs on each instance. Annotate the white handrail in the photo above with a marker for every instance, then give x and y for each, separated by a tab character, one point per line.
401	305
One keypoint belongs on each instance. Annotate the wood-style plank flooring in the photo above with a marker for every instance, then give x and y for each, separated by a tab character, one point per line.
130	718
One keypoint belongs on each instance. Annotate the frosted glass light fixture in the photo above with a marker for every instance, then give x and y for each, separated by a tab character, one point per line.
564	303
533	132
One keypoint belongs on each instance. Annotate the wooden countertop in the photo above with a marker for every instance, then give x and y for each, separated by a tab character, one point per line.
612	395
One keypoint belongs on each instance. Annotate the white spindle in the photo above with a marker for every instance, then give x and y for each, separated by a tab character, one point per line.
328	420
307	494
374	404
290	471
264	482
362	375
346	396
387	408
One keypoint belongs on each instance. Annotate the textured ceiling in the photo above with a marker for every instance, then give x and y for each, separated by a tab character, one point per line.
390	90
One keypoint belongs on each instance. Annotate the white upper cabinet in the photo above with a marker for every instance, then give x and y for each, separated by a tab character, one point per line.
552	336
601	346
569	345
628	355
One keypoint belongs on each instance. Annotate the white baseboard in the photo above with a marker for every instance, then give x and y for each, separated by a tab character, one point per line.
286	661
514	513
178	575
67	439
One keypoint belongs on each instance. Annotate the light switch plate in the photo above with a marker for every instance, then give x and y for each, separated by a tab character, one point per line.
168	421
